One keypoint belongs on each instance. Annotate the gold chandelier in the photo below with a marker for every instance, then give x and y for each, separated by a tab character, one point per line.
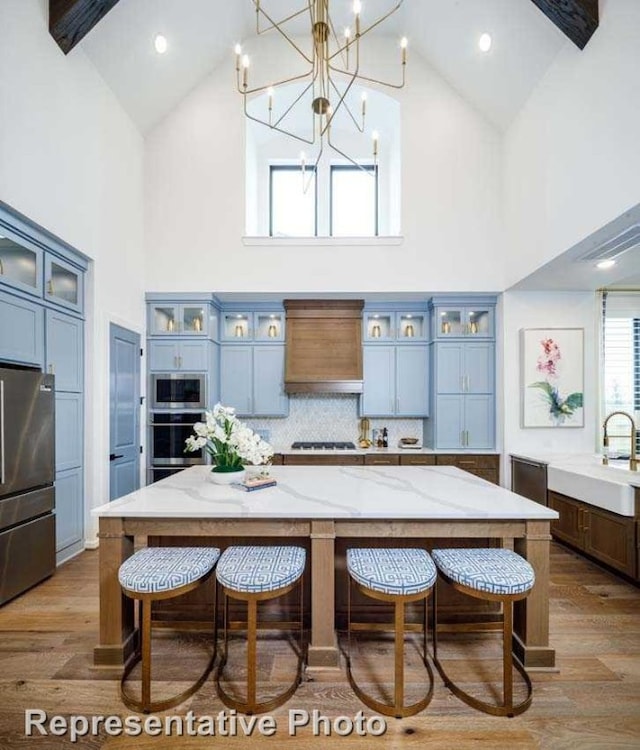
332	68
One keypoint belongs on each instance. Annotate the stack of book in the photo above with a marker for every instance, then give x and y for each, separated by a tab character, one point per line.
255	483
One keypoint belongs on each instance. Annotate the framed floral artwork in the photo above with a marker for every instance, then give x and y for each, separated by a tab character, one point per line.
552	377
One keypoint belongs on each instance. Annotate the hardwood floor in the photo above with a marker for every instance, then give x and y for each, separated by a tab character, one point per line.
592	702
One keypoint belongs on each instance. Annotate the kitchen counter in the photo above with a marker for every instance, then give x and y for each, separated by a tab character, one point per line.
393	450
406	492
584	477
370	504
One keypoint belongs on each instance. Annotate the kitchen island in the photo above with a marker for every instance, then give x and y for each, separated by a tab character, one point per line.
324	504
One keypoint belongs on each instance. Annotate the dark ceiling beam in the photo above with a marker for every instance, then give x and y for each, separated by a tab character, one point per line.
578	19
71	20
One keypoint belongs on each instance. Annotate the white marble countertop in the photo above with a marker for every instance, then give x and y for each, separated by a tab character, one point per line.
358	492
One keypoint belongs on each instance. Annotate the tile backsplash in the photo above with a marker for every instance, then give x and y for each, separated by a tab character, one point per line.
328	417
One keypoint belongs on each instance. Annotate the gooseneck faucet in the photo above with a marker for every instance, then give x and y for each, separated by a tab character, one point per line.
633	461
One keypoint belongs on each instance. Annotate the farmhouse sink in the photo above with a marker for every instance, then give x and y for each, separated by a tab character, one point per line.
608	487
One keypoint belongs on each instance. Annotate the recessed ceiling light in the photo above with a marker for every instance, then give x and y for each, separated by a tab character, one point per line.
160	43
604	264
485	42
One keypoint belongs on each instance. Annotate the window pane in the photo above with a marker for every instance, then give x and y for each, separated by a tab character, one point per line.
293	209
354	202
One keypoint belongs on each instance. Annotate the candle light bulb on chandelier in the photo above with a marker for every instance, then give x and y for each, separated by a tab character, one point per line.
364	102
238	50
245	69
403	46
375	137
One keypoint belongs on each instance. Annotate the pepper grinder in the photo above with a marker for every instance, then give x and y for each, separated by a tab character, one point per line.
385	438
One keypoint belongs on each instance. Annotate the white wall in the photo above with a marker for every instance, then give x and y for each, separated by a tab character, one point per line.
451	200
546	310
71	160
572	160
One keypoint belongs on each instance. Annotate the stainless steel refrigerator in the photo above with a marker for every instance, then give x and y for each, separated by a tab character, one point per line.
27	495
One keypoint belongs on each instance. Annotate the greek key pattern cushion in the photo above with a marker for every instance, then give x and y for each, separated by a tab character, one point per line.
252	569
496	571
156	569
392	571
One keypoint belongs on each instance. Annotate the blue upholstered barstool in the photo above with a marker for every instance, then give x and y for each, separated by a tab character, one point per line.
152	574
399	576
493	575
255	574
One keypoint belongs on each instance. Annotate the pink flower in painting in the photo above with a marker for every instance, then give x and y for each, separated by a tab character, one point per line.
548	360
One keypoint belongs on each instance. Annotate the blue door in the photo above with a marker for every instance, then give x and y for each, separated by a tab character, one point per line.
124	411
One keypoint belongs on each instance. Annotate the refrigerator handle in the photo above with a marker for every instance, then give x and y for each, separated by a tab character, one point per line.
1	431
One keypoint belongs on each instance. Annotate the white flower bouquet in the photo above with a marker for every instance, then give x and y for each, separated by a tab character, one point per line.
230	443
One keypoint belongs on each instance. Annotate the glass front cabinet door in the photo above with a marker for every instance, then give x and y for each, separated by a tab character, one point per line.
470	322
63	283
411	326
170	319
379	326
269	326
20	266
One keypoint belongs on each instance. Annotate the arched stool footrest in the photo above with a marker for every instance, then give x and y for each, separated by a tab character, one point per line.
256	574
491	575
153	574
399	576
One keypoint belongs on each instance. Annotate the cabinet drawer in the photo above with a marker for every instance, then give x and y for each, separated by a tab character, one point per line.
491	475
388	460
416	460
469	461
323	460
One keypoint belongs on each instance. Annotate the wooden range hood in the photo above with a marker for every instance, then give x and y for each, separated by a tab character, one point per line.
323	346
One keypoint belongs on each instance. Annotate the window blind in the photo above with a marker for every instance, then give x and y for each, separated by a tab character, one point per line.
621	365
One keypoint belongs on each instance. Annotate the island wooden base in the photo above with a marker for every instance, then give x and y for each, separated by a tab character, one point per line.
326	541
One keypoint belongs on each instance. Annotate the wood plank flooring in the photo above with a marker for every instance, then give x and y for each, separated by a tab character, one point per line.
591	703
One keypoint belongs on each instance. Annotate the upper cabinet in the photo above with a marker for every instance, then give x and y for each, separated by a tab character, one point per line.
451	320
21	266
241	326
395	326
189	319
63	283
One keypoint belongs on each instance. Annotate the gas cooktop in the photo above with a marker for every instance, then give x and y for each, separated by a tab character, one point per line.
323	445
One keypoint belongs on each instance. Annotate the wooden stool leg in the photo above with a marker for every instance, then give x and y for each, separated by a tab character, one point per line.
507	657
252	617
399	658
145	634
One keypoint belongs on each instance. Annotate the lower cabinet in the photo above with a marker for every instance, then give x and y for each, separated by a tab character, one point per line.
484	466
607	537
21	330
252	380
335	460
69	513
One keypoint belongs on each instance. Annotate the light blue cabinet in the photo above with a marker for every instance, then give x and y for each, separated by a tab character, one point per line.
169	355
465	422
188	319
21	330
68	430
464	367
464	374
240	326
252	380
395	326
69	512
20	262
396	381
64	350
63	283
468	321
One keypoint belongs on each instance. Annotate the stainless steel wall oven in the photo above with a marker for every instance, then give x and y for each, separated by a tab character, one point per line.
178	391
169	430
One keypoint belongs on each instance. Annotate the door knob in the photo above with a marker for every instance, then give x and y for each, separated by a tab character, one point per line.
113	456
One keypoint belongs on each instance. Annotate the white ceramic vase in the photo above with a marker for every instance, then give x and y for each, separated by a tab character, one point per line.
227	477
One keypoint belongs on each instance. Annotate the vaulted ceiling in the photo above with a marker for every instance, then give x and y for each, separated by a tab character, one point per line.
201	34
